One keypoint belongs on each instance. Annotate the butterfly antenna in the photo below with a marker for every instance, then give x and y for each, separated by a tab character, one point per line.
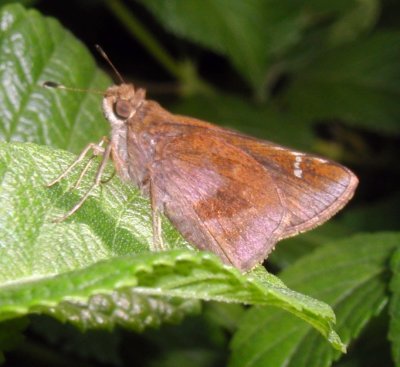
105	57
54	85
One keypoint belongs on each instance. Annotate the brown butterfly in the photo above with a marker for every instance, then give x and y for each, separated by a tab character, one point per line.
226	192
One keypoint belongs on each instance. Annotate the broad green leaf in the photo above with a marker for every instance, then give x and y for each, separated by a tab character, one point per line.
252	34
394	309
349	274
358	83
34	49
89	266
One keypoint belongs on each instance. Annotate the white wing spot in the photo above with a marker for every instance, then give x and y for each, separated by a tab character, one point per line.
321	160
297	171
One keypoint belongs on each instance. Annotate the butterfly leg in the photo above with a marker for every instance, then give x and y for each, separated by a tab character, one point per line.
97	149
158	243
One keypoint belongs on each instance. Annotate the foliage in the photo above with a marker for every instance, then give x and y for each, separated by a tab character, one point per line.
317	75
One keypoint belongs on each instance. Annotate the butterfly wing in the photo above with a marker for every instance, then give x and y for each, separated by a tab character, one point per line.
313	189
219	197
235	195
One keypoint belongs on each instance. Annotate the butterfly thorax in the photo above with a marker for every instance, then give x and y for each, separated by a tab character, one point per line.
120	104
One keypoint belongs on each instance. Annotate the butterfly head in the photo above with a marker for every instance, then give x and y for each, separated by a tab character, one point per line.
121	102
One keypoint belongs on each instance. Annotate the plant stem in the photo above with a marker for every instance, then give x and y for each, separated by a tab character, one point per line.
133	25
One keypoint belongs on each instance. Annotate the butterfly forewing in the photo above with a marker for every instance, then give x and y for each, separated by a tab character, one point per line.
313	188
235	195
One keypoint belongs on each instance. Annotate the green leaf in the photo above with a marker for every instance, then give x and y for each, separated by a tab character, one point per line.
394	309
34	49
80	270
358	83
250	33
349	274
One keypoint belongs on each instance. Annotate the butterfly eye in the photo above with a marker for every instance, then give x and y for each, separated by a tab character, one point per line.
122	108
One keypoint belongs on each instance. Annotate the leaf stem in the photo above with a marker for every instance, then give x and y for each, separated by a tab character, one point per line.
136	28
